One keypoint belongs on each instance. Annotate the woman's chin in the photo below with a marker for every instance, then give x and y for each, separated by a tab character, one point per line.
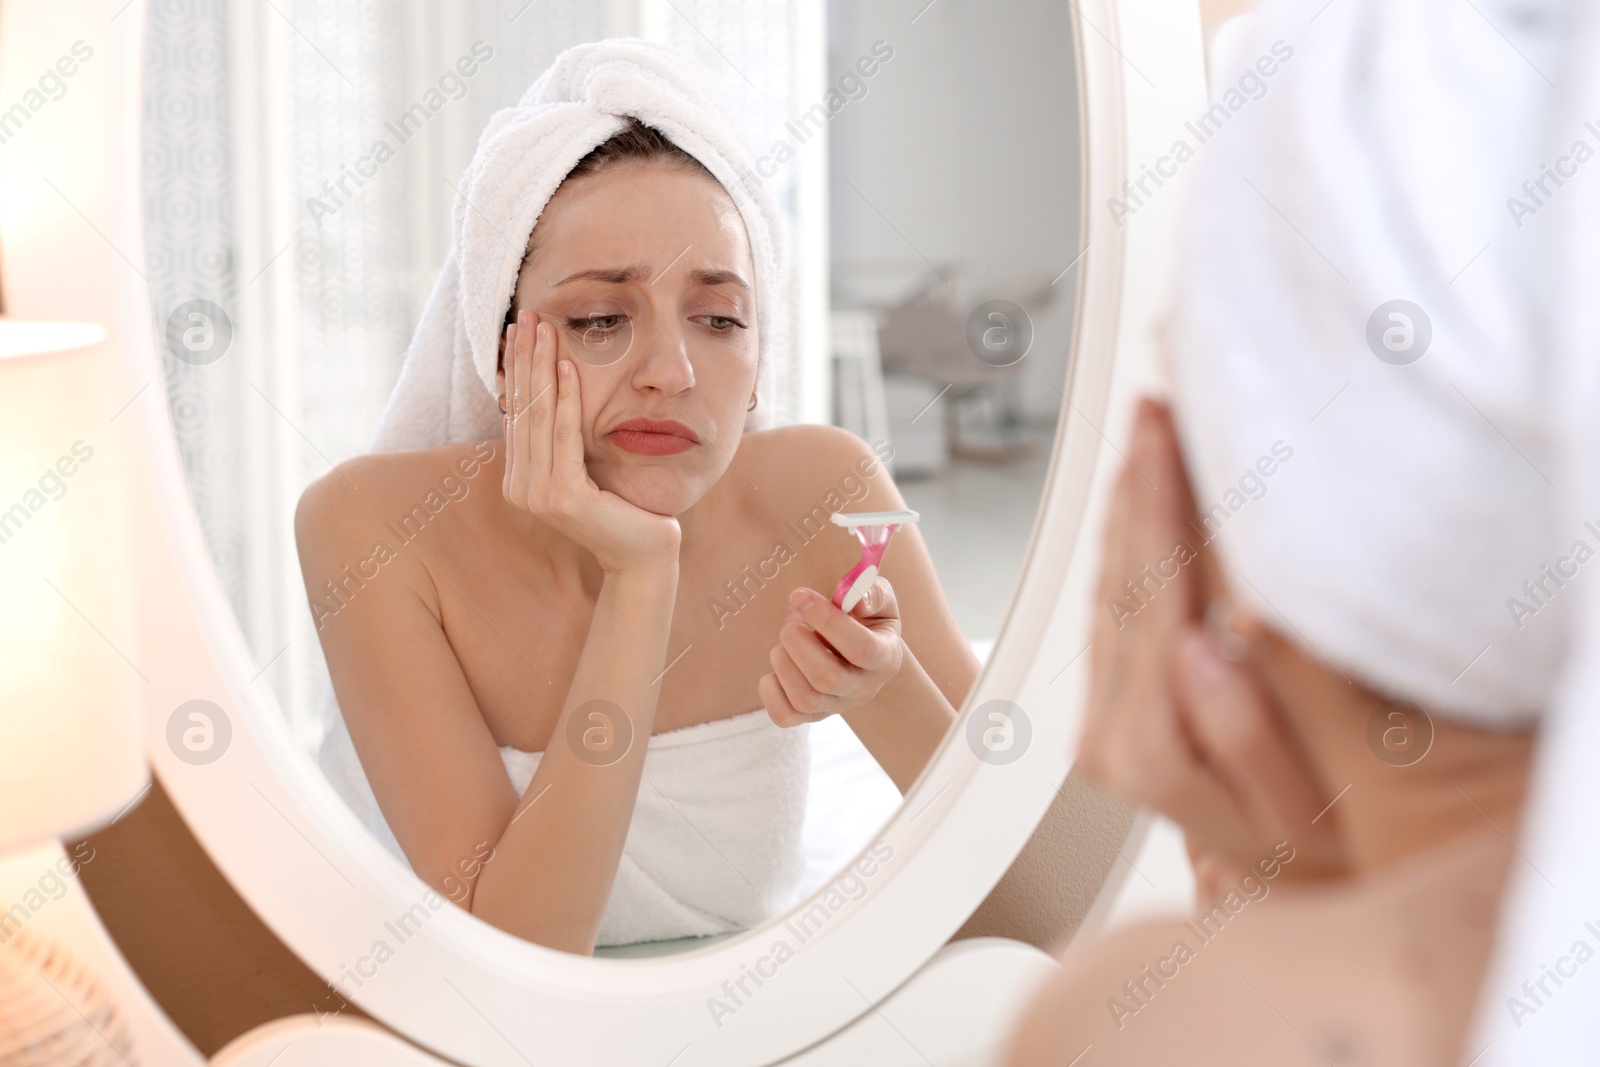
656	491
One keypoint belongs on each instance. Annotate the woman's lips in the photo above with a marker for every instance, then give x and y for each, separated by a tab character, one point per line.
654	437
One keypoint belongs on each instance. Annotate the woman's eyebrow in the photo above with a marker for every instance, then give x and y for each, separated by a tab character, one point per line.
615	275
717	277
621	275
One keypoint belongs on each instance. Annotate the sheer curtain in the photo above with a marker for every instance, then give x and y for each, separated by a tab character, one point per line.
256	116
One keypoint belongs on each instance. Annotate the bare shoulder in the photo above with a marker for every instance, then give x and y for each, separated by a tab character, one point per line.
811	465
344	499
1382	970
1078	1006
364	507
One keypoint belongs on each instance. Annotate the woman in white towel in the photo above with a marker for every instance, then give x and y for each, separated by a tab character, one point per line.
1345	901
624	563
1337	693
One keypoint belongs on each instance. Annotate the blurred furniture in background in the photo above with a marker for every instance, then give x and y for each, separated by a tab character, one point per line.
904	411
938	382
858	401
918	429
907	411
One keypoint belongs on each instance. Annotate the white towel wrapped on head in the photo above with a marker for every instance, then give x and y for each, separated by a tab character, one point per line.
446	389
1419	496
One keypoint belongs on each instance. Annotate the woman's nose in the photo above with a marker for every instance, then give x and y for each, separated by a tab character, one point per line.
661	357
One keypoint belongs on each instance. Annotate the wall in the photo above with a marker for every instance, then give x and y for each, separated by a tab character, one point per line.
965	147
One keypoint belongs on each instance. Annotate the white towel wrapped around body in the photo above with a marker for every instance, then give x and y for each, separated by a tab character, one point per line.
714	844
446	389
715	840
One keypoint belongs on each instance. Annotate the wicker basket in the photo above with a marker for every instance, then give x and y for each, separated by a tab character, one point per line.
53	1011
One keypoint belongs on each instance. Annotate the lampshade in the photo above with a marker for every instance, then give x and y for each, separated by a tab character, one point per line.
70	753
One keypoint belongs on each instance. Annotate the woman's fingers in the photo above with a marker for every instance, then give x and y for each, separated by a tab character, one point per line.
1243	739
538	396
1213	876
1143	604
1107	654
776	701
518	376
566	465
1237	731
827	661
1213	821
1146	757
1135	741
825	672
849	635
798	693
1244	736
1113	563
509	356
1161	505
878	602
1138	612
530	379
1171	723
1170	473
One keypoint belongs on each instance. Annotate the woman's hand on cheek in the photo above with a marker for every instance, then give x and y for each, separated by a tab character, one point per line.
1134	742
1269	789
827	661
1171	723
545	470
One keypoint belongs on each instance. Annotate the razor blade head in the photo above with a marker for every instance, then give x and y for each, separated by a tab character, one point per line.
853	519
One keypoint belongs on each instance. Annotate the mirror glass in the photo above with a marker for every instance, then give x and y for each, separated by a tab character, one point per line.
593	727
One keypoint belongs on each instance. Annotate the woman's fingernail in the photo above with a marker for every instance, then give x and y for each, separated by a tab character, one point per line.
1149	416
1206	663
1229	629
802	598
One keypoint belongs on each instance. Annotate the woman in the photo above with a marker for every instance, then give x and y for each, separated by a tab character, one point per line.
1331	693
1347	875
620	583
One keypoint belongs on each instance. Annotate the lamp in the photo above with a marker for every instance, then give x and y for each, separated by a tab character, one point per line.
69	712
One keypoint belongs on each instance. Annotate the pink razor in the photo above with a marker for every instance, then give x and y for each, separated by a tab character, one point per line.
873	529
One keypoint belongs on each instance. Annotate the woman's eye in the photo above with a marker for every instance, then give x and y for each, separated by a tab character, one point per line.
721	323
596	323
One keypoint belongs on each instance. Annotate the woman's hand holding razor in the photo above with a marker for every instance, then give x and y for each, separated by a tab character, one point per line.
827	660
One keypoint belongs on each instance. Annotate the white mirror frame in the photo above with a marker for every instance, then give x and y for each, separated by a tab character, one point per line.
302	860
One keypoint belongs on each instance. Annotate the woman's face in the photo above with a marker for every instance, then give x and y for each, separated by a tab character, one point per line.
645	272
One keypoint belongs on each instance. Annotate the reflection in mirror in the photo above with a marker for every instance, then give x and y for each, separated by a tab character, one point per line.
581	665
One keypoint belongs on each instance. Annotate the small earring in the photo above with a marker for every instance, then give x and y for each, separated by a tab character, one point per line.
503	410
752	406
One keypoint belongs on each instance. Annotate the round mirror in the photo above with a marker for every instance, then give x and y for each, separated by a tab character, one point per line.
433	673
